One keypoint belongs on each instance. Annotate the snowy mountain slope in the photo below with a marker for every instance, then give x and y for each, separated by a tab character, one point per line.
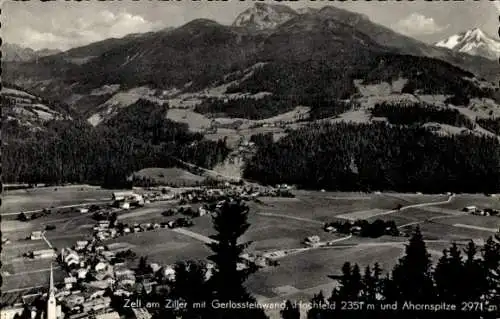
473	42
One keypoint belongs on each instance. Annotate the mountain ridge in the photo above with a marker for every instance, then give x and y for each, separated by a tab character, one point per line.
15	52
473	42
203	52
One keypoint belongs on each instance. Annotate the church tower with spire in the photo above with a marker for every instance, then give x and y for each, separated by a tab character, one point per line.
51	301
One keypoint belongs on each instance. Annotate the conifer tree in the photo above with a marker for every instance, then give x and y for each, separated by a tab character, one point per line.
191	287
491	264
316	311
291	311
448	276
412	277
230	223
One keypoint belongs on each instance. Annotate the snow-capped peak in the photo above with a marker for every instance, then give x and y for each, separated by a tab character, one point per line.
474	42
264	16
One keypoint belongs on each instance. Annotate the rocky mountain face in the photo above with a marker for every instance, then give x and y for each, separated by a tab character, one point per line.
264	16
473	42
17	53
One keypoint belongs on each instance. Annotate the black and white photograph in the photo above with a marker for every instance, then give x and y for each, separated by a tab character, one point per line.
250	159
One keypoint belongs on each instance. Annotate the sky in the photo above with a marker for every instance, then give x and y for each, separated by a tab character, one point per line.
66	24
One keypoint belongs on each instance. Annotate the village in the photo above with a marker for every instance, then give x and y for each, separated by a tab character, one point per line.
97	270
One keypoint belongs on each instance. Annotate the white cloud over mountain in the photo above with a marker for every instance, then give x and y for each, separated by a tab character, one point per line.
86	29
418	24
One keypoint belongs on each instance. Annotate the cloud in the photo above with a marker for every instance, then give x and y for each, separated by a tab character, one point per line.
65	34
418	24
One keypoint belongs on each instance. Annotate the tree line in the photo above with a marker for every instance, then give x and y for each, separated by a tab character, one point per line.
466	278
491	124
75	152
418	113
378	156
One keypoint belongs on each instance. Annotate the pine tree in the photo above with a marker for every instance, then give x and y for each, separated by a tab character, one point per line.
316	311
230	223
412	278
448	276
291	311
369	291
491	264
191	287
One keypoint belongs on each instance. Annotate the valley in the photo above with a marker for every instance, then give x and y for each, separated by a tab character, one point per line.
264	160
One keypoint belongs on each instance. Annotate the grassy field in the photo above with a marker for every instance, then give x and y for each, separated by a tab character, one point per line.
164	246
276	223
39	198
170	176
312	268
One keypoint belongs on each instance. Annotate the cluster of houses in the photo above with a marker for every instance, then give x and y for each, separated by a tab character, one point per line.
481	212
94	269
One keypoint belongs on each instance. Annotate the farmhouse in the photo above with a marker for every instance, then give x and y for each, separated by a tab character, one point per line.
312	240
36	235
141	313
120	196
70	257
109	315
470	209
96	304
10	313
44	253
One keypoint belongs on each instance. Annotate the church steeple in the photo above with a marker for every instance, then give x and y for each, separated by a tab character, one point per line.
51	300
51	283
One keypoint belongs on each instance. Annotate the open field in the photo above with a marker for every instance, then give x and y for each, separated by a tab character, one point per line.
30	280
275	224
46	197
462	200
164	246
170	176
312	268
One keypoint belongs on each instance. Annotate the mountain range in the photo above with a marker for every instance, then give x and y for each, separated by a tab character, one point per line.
16	53
474	42
302	53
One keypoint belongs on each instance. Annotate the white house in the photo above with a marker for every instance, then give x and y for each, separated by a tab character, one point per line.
36	235
119	196
82	273
169	272
44	253
10	312
101	266
109	315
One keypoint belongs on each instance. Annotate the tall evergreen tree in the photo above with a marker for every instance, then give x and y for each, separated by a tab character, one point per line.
230	223
412	277
491	264
191	287
317	303
291	311
448	276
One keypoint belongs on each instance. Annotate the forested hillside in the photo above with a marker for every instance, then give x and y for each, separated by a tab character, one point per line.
421	114
74	151
378	156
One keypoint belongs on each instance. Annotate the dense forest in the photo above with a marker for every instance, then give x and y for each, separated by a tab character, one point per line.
492	124
322	106
378	156
74	151
415	113
328	78
247	107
